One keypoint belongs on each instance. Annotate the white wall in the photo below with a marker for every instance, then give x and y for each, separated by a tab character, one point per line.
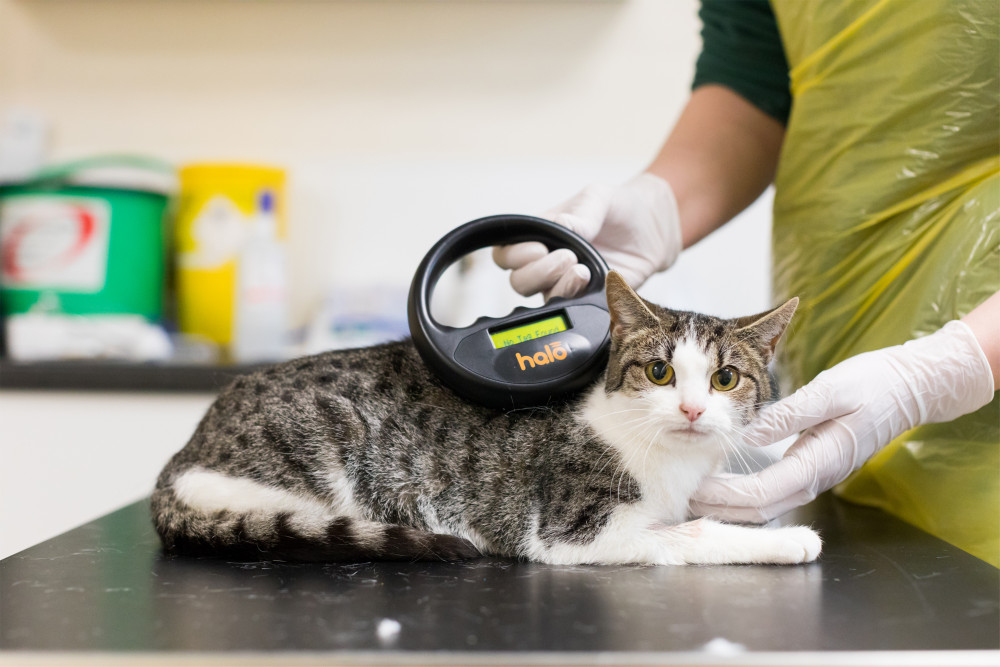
71	457
397	120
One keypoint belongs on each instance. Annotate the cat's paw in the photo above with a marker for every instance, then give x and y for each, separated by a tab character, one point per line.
795	544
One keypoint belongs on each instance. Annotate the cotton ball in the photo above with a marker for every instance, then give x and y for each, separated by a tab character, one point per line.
388	630
721	646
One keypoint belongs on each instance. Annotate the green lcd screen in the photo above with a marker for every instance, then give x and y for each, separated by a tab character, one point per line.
530	331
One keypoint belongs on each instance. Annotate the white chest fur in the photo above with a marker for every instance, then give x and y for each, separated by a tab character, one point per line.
667	462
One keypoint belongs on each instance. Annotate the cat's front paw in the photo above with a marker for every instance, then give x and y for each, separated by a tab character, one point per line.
795	544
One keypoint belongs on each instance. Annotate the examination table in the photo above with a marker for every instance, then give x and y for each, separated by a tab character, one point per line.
882	590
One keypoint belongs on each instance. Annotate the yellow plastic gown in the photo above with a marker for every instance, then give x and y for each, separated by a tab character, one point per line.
887	224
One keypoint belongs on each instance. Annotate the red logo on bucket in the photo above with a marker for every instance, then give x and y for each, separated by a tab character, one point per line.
54	242
22	229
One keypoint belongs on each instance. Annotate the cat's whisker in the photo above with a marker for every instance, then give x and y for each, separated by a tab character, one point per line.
639	428
750	470
653	441
608	451
730	444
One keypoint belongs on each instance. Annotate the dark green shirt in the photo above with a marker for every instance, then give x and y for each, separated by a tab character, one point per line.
742	50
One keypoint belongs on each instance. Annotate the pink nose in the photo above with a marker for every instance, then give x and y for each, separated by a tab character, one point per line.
692	412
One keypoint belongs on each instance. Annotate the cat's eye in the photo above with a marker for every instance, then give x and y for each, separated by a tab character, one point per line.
659	372
725	379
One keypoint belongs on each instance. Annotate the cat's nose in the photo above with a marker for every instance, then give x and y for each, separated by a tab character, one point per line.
692	411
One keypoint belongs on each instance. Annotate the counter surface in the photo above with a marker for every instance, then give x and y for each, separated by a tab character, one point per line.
880	584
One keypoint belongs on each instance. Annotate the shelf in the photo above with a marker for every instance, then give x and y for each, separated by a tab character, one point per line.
117	376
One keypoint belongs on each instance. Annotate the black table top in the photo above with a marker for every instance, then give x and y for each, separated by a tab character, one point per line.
880	585
110	375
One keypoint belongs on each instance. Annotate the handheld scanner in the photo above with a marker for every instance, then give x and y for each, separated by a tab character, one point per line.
531	356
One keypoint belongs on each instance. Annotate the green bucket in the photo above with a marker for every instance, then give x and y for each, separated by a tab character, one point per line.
86	238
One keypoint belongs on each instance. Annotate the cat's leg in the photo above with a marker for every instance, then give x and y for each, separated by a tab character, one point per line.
628	537
707	542
633	537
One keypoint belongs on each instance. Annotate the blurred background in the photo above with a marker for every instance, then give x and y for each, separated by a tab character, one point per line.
312	150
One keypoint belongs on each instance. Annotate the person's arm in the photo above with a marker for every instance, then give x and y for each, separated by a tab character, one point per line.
984	321
719	158
721	155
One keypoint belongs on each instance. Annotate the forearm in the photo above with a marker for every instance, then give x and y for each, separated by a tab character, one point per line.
721	155
984	320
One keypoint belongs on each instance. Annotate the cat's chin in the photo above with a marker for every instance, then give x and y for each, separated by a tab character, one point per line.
692	430
693	434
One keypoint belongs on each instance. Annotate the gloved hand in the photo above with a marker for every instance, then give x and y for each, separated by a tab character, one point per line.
634	226
848	413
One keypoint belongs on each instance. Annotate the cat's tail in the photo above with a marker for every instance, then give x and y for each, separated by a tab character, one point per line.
292	534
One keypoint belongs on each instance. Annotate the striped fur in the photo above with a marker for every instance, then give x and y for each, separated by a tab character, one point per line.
363	454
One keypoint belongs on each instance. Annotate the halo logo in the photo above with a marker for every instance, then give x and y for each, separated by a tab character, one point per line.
553	352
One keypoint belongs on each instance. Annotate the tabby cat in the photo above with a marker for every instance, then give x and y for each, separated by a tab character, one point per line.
364	454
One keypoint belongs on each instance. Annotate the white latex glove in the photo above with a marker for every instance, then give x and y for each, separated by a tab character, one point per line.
848	413
634	226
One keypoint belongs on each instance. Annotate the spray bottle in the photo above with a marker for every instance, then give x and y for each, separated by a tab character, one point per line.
262	290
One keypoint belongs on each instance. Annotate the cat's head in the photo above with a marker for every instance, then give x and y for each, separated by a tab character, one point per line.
700	375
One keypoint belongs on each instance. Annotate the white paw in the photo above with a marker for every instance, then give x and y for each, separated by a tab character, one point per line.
796	544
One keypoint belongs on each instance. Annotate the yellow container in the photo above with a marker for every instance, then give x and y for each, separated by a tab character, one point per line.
216	205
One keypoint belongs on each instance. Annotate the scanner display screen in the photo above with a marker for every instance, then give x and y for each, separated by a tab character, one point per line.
530	331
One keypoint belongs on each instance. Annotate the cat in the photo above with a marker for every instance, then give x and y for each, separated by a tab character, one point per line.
364	455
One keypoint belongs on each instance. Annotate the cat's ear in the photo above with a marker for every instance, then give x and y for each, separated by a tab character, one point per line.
627	308
766	328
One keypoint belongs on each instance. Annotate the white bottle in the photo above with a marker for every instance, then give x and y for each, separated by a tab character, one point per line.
261	290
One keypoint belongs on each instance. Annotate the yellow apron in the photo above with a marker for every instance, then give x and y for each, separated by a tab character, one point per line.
887	224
